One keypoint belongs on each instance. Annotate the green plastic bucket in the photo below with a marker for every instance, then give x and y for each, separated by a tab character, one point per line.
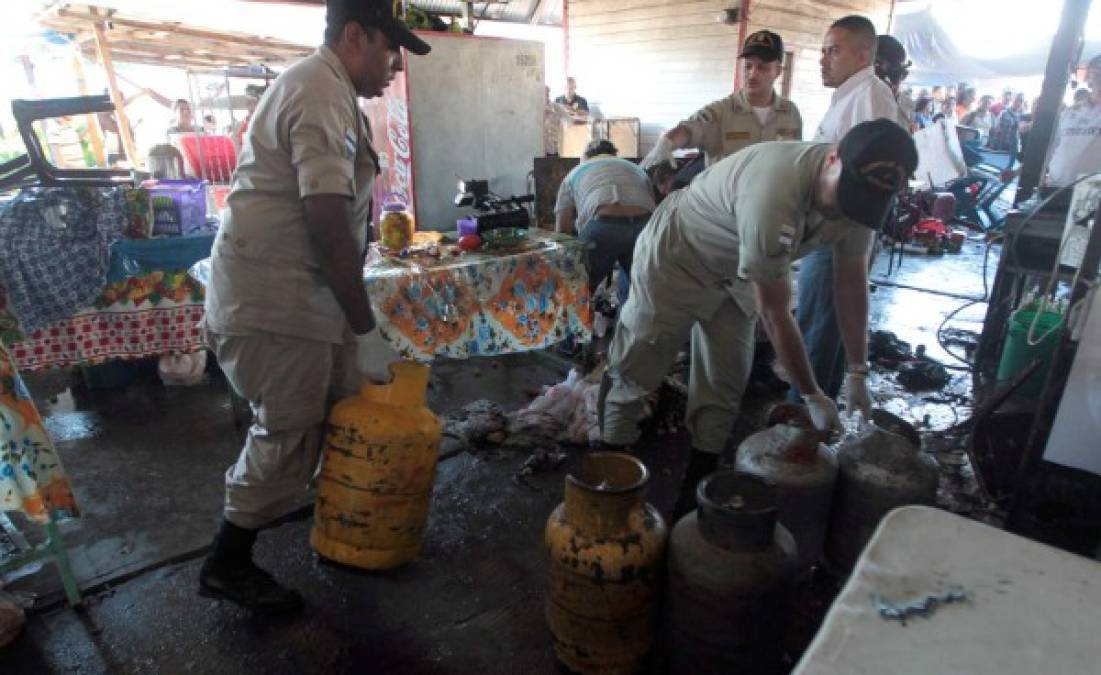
1017	353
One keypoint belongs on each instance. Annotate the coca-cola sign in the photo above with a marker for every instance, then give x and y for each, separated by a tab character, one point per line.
388	116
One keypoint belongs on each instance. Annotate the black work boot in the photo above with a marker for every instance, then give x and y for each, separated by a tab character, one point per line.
228	573
700	464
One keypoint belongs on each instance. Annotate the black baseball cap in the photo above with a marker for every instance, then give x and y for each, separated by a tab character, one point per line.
877	159
764	44
375	14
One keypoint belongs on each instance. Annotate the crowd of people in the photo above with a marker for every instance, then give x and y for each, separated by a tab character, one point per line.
1005	122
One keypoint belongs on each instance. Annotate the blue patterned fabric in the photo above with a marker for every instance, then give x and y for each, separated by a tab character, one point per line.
55	245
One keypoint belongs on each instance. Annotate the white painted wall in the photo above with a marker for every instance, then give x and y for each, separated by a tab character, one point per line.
553	43
661	60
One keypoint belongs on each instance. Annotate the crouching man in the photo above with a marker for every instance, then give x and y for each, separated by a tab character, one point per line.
718	254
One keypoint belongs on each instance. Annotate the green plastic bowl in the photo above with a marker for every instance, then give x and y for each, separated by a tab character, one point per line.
504	237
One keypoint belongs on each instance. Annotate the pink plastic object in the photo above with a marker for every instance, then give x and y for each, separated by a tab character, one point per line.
218	157
219	193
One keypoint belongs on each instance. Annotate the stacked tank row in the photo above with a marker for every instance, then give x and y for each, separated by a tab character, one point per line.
791	503
725	572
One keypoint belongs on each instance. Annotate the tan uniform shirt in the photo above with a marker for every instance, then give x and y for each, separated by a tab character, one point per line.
307	137
728	125
752	214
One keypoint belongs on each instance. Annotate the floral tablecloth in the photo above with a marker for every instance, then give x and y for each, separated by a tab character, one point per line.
484	303
150	307
31	477
479	304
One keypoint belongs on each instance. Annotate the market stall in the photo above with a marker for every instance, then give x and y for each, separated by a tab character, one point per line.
149	307
113	283
107	36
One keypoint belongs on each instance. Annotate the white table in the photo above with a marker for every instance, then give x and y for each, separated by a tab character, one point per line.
1032	610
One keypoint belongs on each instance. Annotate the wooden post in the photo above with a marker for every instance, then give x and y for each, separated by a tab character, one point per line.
533	13
95	134
565	36
1064	48
743	33
103	49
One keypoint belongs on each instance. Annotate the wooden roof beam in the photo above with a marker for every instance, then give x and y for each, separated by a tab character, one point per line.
169	44
185	50
175	28
103	50
158	59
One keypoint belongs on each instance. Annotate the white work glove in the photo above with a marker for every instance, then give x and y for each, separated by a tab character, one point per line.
662	152
374	355
823	412
857	397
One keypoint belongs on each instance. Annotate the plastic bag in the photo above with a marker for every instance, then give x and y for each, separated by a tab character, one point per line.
182	370
568	410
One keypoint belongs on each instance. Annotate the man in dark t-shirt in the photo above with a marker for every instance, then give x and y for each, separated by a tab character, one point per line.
571	100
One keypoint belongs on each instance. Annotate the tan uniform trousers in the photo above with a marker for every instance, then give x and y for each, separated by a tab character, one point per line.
290	383
665	306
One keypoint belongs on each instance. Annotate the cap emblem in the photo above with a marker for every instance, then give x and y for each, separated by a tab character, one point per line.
885	174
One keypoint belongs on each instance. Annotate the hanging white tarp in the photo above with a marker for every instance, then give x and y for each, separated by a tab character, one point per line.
972	40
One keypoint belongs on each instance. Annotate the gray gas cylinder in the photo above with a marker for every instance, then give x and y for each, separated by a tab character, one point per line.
805	473
730	567
879	471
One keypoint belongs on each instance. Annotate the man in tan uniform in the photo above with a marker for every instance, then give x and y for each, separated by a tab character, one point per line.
287	313
719	251
754	114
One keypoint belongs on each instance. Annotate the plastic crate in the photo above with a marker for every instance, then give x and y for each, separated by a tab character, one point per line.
179	207
211	158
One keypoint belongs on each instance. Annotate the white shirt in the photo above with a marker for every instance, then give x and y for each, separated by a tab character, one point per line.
762	114
861	98
1076	145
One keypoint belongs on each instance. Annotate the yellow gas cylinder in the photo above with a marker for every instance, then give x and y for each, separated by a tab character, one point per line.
605	548
377	471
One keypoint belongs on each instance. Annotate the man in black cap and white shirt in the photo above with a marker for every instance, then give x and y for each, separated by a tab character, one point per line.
718	253
754	114
287	313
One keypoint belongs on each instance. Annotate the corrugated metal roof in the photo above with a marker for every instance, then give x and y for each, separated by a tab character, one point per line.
546	12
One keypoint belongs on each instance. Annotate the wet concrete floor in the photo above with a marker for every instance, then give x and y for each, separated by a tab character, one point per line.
147	465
